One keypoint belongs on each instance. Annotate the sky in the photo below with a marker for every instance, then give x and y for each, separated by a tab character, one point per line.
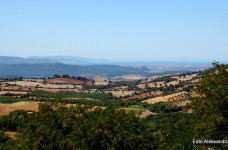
134	30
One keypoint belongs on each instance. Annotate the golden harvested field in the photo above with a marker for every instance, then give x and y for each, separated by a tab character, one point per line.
58	90
10	88
181	103
144	95
39	84
187	77
101	83
12	92
165	98
141	86
120	88
146	113
159	84
34	80
67	81
11	134
173	83
196	81
142	113
129	77
99	78
121	93
124	87
64	81
5	109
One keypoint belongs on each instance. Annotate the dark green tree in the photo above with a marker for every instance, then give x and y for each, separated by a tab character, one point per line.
58	126
210	107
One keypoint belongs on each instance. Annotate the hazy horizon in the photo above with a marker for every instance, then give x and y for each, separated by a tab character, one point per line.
104	61
116	30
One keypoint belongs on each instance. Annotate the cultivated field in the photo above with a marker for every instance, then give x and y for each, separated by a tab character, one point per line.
101	83
40	85
12	92
129	77
67	81
121	93
162	83
154	84
5	109
144	95
11	134
168	98
185	78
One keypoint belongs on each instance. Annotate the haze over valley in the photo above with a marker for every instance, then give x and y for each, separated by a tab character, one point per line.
88	67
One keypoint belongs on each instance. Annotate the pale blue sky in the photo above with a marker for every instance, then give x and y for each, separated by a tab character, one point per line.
148	30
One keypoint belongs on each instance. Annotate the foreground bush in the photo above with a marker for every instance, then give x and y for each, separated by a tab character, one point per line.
79	127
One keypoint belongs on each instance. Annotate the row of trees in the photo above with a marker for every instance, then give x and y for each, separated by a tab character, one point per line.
40	94
69	76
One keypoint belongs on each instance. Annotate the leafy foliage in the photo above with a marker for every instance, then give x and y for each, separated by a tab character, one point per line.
6	143
79	127
166	79
210	108
10	99
162	107
63	94
13	120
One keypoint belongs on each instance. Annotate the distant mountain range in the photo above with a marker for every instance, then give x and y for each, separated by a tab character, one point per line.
51	59
71	60
49	69
19	60
48	66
